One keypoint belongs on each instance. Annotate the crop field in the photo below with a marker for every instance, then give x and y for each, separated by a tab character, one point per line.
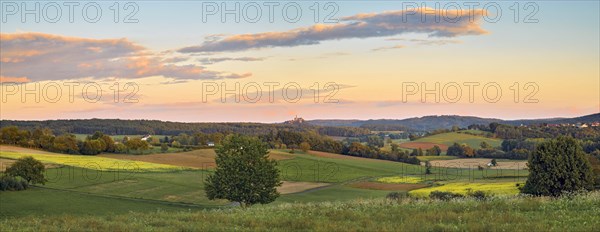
475	162
499	188
91	162
175	181
436	157
400	180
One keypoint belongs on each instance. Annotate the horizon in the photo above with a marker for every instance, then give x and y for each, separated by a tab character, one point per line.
317	119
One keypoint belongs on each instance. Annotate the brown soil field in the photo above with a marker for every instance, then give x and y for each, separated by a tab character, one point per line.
5	163
387	186
473	163
422	145
293	187
202	159
22	149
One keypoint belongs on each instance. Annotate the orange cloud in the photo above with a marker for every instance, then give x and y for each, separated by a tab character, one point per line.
4	79
38	57
455	23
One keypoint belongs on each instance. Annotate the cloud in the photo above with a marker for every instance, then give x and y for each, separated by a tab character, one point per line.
388	48
356	26
39	57
427	41
14	79
222	59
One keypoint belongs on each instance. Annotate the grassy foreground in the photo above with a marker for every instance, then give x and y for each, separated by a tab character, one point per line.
574	213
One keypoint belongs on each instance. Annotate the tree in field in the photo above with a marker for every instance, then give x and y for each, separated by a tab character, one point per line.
29	169
434	151
137	144
244	172
420	152
164	147
558	166
414	152
428	167
485	145
304	146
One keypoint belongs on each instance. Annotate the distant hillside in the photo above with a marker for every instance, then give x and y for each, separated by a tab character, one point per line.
155	127
429	123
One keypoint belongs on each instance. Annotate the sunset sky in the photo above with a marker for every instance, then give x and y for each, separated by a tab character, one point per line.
375	47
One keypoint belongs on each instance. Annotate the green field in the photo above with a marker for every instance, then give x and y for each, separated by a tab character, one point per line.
460	138
166	187
576	213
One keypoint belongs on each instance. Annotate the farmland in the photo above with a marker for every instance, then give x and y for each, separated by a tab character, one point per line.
578	213
445	140
309	177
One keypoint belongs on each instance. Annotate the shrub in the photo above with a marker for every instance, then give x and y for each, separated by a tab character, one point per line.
480	195
28	168
445	196
557	166
9	183
396	196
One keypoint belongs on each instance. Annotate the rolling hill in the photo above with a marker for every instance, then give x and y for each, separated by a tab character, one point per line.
429	123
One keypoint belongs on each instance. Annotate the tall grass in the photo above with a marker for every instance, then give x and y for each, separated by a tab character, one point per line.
516	213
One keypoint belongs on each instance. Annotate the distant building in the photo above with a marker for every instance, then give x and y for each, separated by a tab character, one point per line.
145	138
296	120
210	144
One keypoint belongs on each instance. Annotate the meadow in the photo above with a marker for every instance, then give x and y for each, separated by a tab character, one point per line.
572	213
447	139
175	180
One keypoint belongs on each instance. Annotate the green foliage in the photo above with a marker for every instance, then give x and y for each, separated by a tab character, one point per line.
92	147
29	169
445	196
434	151
244	173
66	143
9	183
462	150
164	147
428	167
557	166
304	146
137	144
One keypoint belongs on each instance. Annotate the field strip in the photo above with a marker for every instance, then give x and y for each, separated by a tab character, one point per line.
95	163
131	198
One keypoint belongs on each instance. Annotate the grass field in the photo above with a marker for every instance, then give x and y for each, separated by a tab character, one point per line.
578	213
49	202
454	137
164	181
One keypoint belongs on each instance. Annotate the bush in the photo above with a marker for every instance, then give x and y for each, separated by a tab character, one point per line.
396	196
445	196
9	183
479	195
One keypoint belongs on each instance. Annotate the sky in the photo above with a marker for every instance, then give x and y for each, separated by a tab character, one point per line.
194	61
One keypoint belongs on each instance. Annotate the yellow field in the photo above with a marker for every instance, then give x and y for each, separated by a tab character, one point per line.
400	180
93	162
504	188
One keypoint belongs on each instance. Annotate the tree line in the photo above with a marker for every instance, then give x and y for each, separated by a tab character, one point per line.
155	127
